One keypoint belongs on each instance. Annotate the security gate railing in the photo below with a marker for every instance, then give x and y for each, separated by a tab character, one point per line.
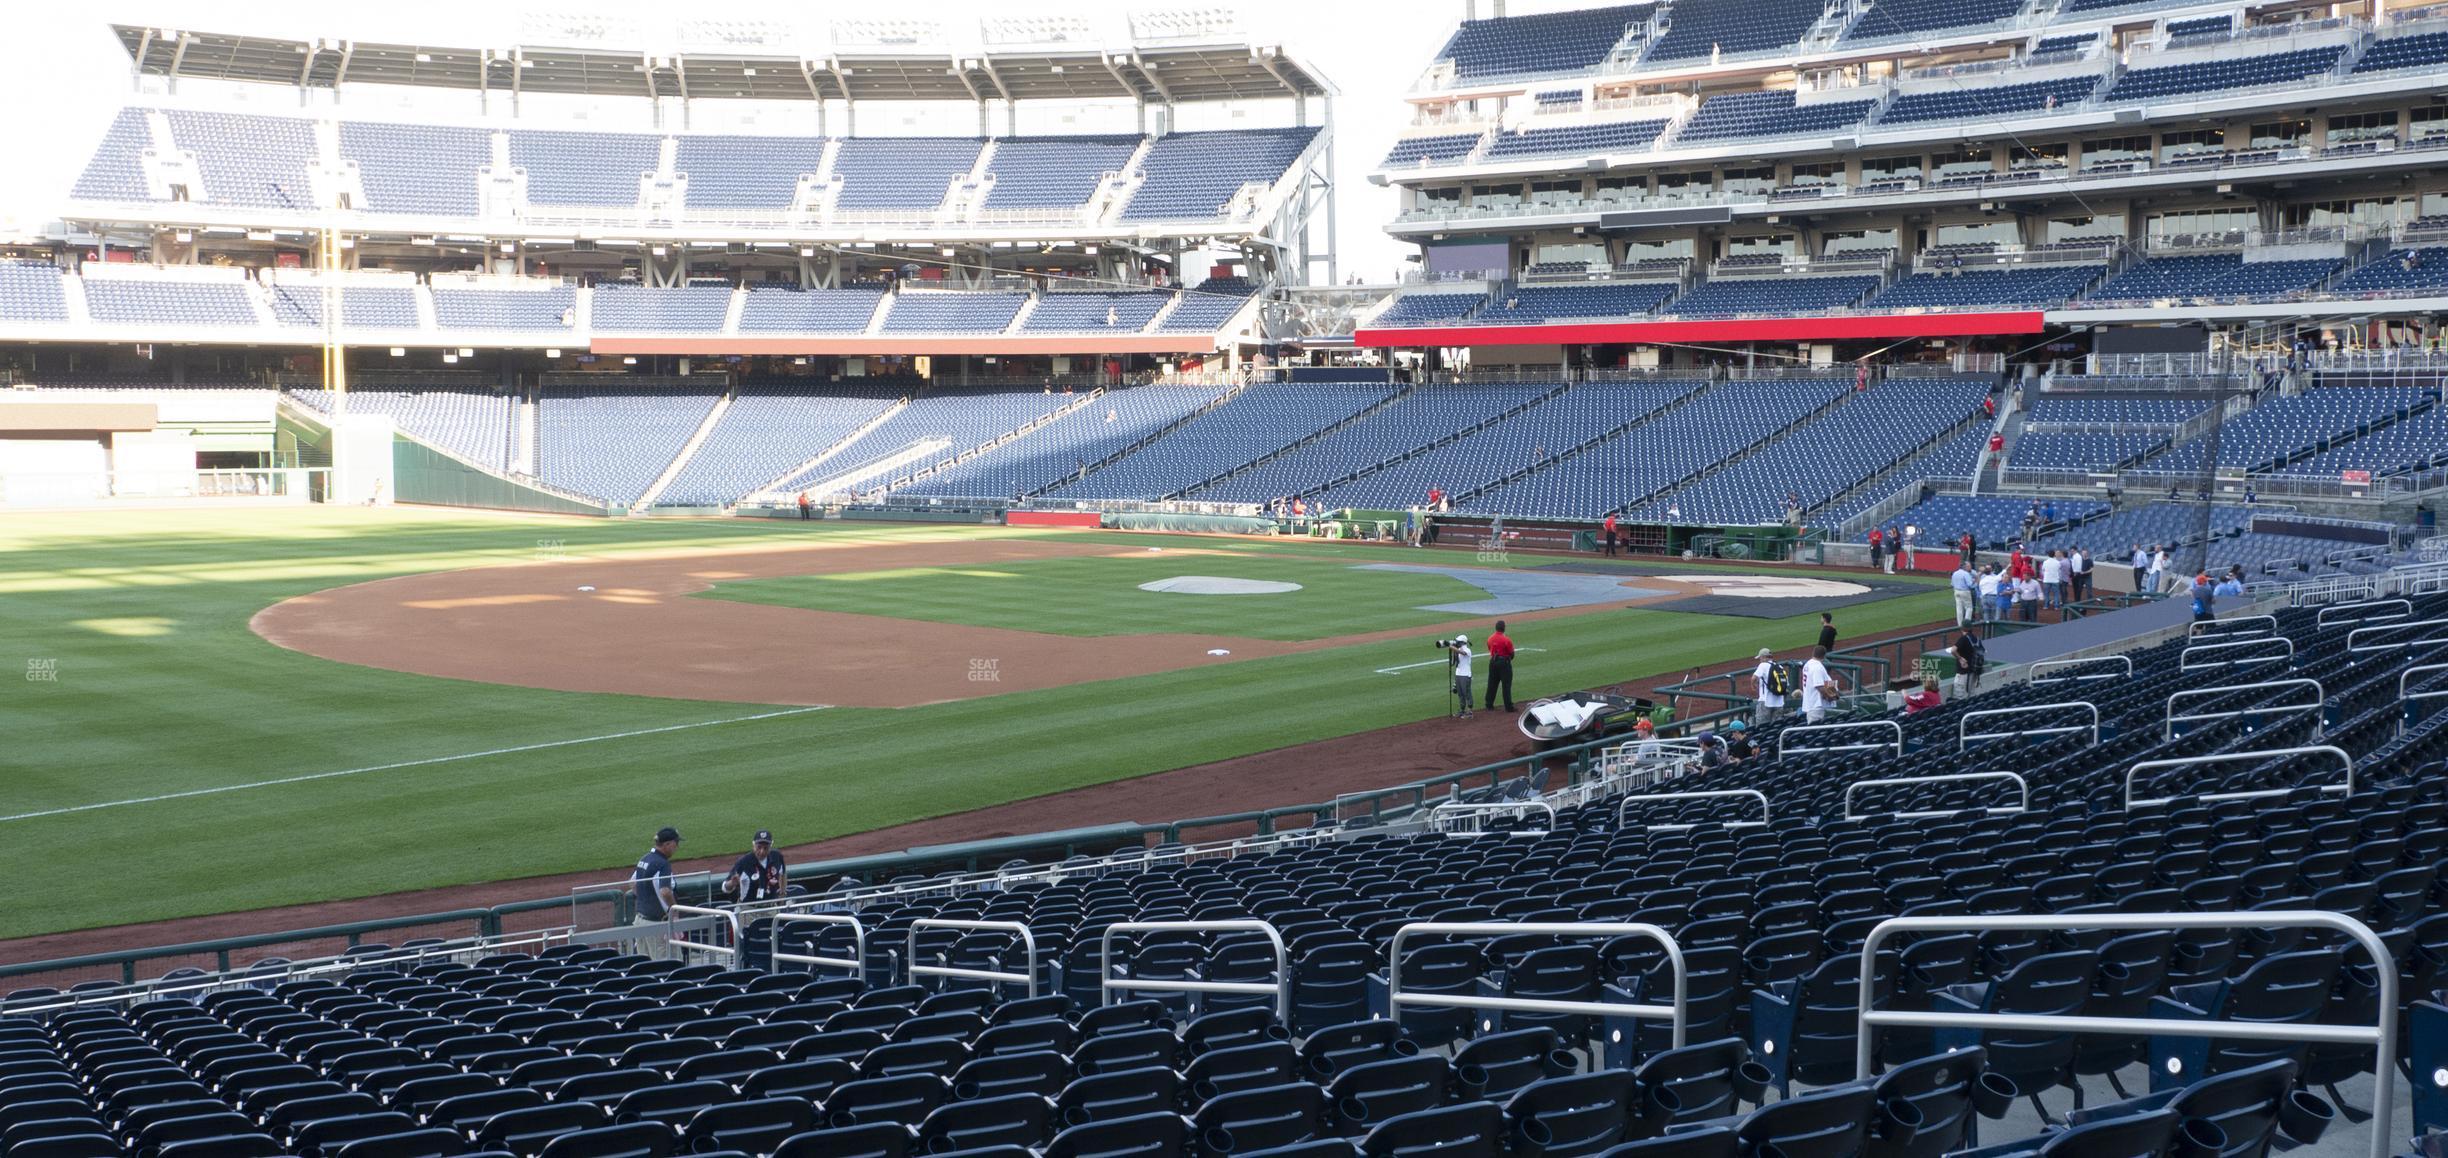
2021	786
1623	809
1281	988
2344	760
912	970
856	962
2167	730
1676	1013
1964	735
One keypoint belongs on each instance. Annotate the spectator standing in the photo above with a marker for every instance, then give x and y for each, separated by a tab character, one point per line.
1878	540
1818	687
1993	593
1970	658
2205	599
2078	569
1827	631
651	881
1967	549
2141	569
1771	682
1967	589
760	874
1895	543
2052	579
2027	599
1610	534
1500	667
806	508
1461	655
1922	700
2230	584
1911	534
2157	576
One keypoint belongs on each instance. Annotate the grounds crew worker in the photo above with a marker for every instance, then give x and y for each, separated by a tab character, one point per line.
652	881
759	874
1500	667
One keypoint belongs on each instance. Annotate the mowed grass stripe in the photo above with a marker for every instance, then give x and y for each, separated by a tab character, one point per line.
210	704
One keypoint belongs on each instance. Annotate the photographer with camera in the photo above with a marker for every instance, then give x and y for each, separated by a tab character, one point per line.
1458	655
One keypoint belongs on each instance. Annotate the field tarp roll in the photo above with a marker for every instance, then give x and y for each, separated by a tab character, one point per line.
1202	524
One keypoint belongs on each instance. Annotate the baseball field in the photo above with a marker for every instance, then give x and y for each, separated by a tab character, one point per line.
211	711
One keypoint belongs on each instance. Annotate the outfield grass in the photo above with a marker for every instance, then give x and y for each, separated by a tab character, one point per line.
1101	596
146	684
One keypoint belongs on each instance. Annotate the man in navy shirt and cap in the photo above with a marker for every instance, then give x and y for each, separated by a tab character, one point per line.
758	875
652	881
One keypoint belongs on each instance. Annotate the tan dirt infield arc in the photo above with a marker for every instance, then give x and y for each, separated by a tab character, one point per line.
639	632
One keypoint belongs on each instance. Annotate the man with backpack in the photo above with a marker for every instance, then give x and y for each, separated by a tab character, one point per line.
1771	682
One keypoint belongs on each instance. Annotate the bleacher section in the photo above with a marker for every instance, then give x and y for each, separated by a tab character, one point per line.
361	307
613	441
551	308
1194	176
1531	305
472	423
1770	113
134	301
422	169
1855	439
2220	73
1261	420
1089	312
746	172
1208	306
935	312
1705	29
770	429
1955	457
1576	140
567	168
30	292
902	175
1433	150
660	309
1734	296
1993	101
2416	442
115	172
2420	270
960	419
2030	287
2421	50
1653	457
1888	18
249	160
1421	416
2088	451
2212	277
1053	172
1555	42
778	309
1418	309
2277	429
1520	442
1063	449
1994	521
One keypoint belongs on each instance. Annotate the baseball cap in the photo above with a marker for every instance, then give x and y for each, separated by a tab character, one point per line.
1737	726
665	833
763	837
1461	638
1763	654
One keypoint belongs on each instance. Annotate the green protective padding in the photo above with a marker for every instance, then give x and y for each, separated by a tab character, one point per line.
421	474
1198	524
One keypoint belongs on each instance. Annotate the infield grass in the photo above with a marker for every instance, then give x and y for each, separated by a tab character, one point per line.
129	675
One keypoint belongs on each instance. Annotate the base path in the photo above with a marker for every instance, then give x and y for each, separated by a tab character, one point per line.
631	625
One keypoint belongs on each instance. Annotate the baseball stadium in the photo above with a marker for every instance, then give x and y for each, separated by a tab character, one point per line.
1119	582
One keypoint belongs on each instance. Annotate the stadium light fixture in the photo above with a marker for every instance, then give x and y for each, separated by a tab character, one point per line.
509	247
259	235
1089	250
552	353
450	359
948	251
184	237
399	351
807	251
466	352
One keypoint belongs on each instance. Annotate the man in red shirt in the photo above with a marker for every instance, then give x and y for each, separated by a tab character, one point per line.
1500	667
1610	534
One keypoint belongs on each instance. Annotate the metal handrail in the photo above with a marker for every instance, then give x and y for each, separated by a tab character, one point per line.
1897	743
2034	674
2405	610
2184	660
1625	806
911	970
2381	1036
2218	627
1495	806
2167	730
169	987
856	963
731	950
1676	1013
2233	757
2354	648
1282	988
2405	679
2020	784
1964	735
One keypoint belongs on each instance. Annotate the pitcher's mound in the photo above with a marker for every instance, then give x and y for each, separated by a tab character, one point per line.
1217	585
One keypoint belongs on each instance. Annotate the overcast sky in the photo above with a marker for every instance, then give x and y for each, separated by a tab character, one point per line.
69	75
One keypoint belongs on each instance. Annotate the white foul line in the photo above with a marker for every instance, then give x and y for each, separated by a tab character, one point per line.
1380	671
411	763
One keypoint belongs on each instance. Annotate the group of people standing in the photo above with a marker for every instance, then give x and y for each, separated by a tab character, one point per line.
2022	586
